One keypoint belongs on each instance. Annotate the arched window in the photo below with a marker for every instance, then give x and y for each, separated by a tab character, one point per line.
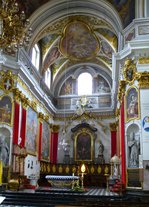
48	77
85	84
36	56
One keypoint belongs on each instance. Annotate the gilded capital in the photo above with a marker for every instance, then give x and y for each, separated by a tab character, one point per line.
25	102
17	94
40	115
143	79
46	118
113	126
55	128
33	105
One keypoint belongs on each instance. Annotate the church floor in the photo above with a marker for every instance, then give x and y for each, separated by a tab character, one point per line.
92	197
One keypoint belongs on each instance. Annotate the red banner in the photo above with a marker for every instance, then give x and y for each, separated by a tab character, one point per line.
23	128
113	143
53	148
122	133
16	123
40	139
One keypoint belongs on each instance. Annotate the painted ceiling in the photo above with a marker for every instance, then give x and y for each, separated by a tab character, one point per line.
77	39
125	8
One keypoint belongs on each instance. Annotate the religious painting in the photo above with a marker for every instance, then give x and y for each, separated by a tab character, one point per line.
5	145
45	142
31	131
102	85
106	49
130	36
132	104
78	41
5	110
50	58
84	146
129	71
67	87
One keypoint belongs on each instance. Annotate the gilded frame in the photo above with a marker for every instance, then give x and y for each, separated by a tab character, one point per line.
129	72
132	104
6	118
32	131
45	142
84	143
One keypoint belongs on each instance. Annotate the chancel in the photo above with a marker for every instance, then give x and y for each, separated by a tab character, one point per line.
74	107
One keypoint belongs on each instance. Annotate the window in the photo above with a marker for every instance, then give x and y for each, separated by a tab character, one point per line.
36	56
48	77
85	84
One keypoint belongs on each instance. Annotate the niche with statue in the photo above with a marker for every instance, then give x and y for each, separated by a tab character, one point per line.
133	157
133	146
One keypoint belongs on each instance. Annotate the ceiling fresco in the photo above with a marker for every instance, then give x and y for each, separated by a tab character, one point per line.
125	8
67	43
78	42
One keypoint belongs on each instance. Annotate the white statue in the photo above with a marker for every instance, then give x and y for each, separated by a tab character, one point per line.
133	145
4	150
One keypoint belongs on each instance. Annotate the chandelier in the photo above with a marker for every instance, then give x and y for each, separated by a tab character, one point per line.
14	27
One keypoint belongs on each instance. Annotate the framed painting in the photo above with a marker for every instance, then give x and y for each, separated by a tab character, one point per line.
31	131
5	110
132	104
83	145
45	142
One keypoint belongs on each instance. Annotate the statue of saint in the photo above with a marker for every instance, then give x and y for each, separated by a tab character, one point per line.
4	150
133	145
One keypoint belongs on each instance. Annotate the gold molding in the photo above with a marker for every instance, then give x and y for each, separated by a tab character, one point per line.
143	60
7	82
26	88
143	79
129	71
121	90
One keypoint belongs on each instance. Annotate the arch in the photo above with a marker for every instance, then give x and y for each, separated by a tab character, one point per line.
74	72
53	10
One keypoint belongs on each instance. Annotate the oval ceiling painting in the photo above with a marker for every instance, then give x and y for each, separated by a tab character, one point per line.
78	41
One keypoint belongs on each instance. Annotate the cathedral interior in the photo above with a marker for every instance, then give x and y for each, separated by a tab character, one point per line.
74	112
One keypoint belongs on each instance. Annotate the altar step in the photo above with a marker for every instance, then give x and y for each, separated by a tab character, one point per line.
88	191
94	197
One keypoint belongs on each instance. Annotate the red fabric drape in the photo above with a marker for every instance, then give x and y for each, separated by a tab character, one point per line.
53	148
23	128
113	143
40	137
16	123
122	133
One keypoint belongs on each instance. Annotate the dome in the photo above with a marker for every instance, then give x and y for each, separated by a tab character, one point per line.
115	159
